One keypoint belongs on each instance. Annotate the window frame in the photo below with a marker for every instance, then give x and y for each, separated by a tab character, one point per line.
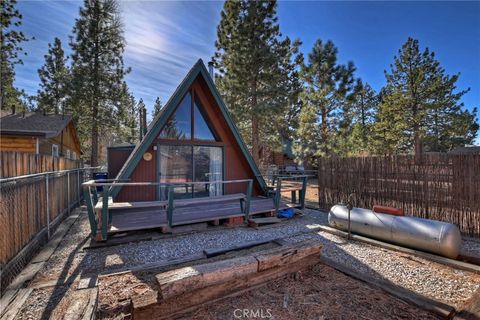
55	150
193	96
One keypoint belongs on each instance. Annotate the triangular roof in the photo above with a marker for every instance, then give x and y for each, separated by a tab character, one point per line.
162	117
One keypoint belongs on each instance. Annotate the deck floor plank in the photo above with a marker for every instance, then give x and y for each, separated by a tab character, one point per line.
138	218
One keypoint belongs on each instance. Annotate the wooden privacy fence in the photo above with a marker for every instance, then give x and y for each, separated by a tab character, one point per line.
33	204
14	164
438	186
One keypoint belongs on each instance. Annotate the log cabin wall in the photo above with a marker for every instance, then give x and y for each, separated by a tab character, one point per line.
18	143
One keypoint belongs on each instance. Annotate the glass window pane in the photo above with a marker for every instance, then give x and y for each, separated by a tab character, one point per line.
175	167
179	126
208	167
201	128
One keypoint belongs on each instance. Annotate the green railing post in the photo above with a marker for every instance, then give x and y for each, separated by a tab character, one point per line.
95	195
303	192
105	217
91	213
249	197
170	206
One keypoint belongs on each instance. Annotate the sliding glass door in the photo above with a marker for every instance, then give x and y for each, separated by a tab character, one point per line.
178	164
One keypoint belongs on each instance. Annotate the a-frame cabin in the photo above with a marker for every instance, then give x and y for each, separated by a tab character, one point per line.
192	139
191	166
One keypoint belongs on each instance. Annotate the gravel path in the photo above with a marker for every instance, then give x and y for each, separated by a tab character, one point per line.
70	262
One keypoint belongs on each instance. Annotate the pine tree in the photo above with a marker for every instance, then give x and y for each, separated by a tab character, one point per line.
97	71
128	127
448	124
328	86
54	76
156	107
10	53
419	105
254	66
364	108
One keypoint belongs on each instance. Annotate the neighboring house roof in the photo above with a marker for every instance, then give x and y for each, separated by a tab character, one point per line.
162	117
34	123
465	150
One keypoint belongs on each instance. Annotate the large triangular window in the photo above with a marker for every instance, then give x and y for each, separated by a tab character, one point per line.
202	129
179	126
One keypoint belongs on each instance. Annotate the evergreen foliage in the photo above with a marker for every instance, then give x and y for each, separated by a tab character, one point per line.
255	67
11	53
97	71
328	86
157	107
54	79
419	106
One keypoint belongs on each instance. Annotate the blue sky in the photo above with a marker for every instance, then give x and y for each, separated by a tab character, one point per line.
164	39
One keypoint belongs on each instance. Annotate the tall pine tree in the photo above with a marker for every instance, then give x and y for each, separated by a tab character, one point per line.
54	79
254	66
97	70
156	107
419	105
364	108
328	86
10	53
128	127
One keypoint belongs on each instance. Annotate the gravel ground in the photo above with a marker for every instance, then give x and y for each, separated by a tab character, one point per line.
70	262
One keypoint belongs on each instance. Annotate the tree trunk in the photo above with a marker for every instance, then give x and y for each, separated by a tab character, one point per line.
94	154
255	140
255	134
324	132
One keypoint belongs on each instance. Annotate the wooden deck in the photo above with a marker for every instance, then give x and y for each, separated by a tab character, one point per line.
149	217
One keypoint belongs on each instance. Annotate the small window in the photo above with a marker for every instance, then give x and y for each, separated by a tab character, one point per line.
68	154
55	150
74	155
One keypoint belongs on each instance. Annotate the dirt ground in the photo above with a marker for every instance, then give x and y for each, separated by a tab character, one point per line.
319	293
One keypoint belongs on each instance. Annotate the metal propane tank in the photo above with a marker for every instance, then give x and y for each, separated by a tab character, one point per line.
428	235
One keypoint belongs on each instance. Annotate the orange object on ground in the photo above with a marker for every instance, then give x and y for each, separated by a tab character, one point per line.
388	210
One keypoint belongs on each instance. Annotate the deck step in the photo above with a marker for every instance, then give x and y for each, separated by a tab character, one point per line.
256	222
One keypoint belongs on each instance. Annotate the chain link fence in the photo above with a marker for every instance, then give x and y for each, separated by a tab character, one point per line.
31	208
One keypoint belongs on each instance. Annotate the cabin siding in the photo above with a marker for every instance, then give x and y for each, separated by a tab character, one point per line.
18	143
116	157
146	171
66	140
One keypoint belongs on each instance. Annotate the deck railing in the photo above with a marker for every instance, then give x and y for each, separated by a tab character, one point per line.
92	198
279	183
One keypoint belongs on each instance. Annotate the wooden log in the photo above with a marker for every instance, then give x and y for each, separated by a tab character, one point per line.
156	308
14	307
82	305
256	222
471	309
287	254
179	281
